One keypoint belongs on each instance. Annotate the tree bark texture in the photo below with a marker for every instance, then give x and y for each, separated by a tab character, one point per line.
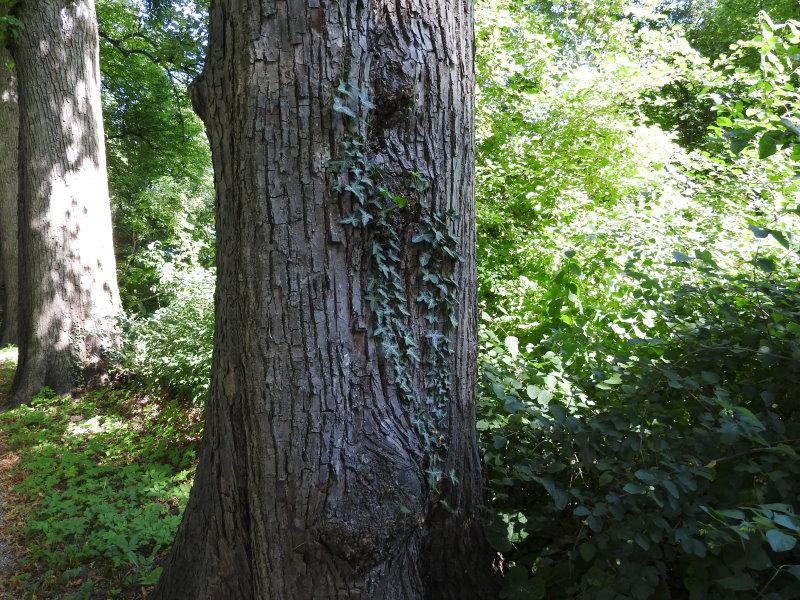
68	281
9	129
312	480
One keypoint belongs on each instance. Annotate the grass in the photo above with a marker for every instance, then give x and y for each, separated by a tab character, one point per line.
99	483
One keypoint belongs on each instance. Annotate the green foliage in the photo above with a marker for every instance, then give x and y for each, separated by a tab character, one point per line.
10	25
106	476
159	162
669	468
639	292
640	307
762	116
375	207
712	26
560	137
168	352
176	221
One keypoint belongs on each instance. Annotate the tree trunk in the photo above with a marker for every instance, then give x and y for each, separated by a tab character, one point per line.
329	458
9	125
67	269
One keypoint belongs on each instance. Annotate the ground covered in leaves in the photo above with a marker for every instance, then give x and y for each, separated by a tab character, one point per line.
91	490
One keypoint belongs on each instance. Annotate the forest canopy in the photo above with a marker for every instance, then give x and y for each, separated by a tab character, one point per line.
637	343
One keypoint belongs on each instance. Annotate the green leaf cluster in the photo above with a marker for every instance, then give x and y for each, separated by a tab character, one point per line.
105	476
638	286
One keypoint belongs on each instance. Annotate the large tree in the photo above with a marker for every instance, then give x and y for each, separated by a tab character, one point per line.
67	267
9	124
339	458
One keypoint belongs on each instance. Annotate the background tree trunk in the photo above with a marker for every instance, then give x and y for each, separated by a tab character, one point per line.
312	477
9	126
67	267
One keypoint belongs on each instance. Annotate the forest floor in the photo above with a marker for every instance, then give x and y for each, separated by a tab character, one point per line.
11	519
91	490
9	515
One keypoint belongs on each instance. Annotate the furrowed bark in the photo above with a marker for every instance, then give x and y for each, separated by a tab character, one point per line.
9	129
312	480
67	266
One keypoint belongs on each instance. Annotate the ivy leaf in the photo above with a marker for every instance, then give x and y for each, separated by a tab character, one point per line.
343	88
339	107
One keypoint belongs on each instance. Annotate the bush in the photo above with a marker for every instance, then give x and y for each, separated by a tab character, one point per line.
169	351
667	469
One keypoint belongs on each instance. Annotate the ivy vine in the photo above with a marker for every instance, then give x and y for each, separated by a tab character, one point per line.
373	204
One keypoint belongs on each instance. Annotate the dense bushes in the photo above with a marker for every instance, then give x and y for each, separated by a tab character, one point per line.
669	470
168	352
637	405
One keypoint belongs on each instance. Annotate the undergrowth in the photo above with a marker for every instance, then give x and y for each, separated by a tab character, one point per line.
105	476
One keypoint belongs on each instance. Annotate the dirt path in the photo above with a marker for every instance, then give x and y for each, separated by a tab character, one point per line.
9	520
8	551
6	554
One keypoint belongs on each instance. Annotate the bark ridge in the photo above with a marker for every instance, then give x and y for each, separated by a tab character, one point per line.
67	267
312	478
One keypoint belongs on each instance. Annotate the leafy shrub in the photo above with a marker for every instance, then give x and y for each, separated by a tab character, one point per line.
170	219
637	405
669	470
169	351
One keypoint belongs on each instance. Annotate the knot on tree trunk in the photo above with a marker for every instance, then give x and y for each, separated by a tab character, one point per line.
393	81
375	512
393	88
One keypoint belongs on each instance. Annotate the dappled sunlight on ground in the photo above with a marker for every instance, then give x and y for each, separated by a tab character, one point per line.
92	486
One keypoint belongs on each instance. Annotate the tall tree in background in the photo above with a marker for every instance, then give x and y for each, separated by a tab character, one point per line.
159	164
9	126
67	267
339	457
